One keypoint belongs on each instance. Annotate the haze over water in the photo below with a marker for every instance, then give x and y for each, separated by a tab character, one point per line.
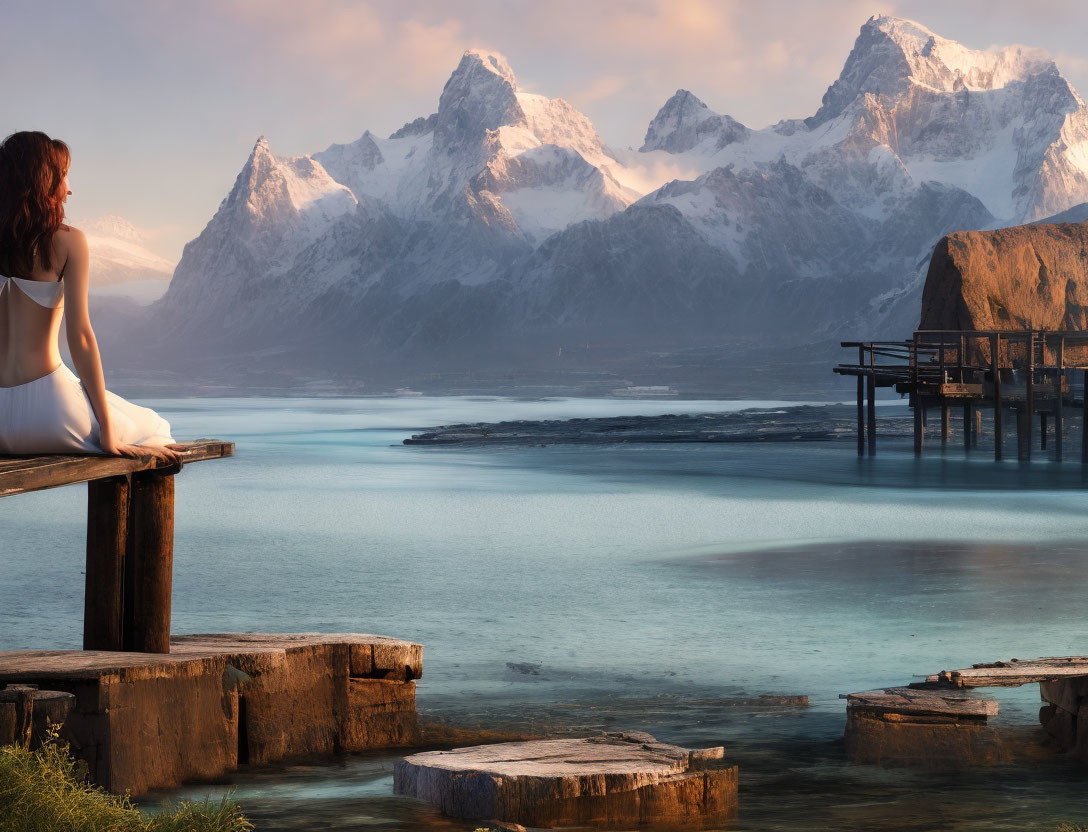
620	587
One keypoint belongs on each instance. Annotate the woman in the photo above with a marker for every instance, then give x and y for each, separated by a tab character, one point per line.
44	264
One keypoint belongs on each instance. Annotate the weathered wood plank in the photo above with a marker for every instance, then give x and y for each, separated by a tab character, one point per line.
21	474
1008	674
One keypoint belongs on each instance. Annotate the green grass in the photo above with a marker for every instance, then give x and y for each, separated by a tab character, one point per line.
46	791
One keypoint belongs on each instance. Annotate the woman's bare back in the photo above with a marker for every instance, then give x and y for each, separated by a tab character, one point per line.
29	332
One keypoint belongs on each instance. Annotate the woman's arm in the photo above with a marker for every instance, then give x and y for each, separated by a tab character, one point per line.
81	341
84	348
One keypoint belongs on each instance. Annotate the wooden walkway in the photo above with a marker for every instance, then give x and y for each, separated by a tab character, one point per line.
1026	372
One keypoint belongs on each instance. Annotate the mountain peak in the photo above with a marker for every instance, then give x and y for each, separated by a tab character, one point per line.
891	54
261	155
900	30
114	227
493	62
684	122
480	95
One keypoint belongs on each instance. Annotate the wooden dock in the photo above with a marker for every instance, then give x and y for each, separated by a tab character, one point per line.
145	710
1016	376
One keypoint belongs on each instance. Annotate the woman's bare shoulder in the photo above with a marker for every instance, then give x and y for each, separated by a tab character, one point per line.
68	233
68	243
67	239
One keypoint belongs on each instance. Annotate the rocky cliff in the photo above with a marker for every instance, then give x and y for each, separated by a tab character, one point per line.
1028	276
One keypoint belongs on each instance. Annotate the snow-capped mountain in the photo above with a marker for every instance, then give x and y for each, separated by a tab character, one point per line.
119	255
1005	126
502	222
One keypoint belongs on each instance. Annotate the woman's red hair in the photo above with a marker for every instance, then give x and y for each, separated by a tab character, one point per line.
32	169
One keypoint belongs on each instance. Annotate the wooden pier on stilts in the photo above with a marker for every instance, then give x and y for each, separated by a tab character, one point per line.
1017	376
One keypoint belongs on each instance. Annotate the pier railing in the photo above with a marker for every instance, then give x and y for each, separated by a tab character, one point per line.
1023	371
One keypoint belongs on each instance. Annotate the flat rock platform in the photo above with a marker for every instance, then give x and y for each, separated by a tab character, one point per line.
215	701
935	729
615	780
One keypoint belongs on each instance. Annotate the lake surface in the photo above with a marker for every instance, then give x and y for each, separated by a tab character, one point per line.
627	586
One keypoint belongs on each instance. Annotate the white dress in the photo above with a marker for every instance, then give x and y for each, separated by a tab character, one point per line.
52	414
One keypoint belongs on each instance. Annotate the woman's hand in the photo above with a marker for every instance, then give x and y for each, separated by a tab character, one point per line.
159	452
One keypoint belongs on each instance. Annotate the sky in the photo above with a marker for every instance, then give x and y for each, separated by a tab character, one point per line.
161	101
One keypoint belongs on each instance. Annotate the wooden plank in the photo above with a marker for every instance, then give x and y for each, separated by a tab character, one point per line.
1009	674
955	390
19	475
919	702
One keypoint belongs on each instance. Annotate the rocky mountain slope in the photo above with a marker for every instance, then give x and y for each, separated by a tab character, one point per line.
501	228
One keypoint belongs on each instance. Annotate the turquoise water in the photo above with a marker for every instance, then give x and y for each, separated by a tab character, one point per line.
629	586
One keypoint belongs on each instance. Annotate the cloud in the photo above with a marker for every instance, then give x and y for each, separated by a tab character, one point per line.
600	87
361	47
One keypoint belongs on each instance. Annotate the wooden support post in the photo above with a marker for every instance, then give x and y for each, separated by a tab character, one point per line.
872	402
1084	422
968	426
149	563
919	425
871	396
1042	429
1020	433
1059	401
995	371
861	404
107	535
1029	400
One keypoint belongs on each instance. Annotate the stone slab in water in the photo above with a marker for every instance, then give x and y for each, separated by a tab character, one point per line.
934	729
142	721
608	781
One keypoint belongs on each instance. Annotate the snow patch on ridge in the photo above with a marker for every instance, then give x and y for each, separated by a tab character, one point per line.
118	253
